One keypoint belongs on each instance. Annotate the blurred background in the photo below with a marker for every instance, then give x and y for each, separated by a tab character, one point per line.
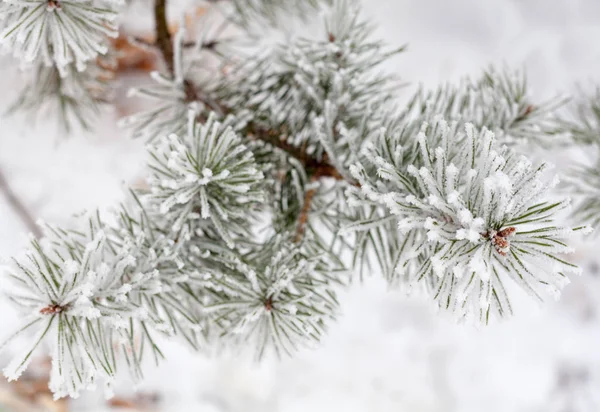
387	352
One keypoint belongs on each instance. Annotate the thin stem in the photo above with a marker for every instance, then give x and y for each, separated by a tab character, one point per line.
303	217
163	36
18	207
207	45
314	167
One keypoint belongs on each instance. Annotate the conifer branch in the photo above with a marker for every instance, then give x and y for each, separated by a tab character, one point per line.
432	192
164	42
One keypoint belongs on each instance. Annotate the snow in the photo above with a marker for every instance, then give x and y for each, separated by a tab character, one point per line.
387	352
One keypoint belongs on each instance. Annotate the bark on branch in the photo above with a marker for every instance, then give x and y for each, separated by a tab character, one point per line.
163	36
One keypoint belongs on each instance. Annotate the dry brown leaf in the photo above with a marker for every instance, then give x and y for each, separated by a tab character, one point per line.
131	57
141	402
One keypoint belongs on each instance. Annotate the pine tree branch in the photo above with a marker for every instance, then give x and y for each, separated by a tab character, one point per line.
164	42
18	207
315	168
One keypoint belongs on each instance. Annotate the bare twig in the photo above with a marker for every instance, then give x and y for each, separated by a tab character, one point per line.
303	217
314	167
206	45
151	44
163	36
18	207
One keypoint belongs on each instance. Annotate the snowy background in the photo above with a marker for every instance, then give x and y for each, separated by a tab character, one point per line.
387	352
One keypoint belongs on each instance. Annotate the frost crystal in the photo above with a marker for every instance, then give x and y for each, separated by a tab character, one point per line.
206	181
472	215
316	90
83	292
276	299
58	32
75	99
498	100
270	177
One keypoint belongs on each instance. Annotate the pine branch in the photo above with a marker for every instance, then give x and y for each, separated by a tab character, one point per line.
58	33
20	209
164	42
442	205
472	214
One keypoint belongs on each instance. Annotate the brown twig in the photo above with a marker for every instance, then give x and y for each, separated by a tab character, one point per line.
323	170
151	44
163	36
18	207
314	167
207	45
303	217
